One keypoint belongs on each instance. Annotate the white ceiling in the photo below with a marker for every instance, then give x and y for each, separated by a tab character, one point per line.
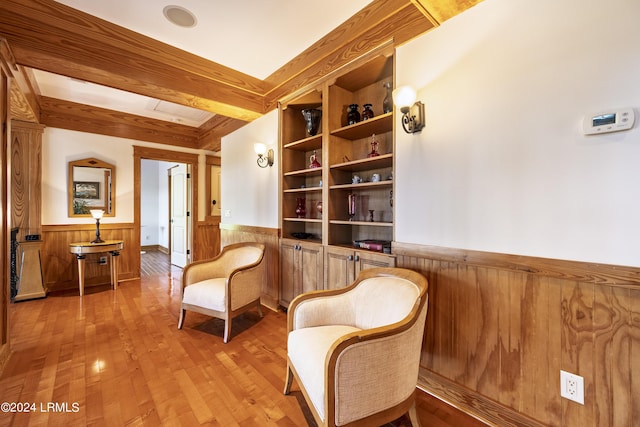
255	37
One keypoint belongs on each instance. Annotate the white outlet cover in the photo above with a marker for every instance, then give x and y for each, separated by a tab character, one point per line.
572	387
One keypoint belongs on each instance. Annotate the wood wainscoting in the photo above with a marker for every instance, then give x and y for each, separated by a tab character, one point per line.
230	233
206	239
60	268
501	327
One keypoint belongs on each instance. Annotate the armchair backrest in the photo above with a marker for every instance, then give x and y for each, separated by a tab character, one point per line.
239	255
381	301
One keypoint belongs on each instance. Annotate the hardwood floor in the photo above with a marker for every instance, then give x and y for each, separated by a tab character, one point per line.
117	358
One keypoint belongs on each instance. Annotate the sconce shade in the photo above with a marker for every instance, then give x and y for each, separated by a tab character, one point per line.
265	157
404	96
412	111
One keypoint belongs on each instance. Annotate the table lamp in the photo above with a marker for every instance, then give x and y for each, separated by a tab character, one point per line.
97	214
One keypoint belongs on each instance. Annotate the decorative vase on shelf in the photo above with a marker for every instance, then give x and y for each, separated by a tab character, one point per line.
367	112
374	147
319	208
301	210
353	116
387	103
312	116
351	199
313	161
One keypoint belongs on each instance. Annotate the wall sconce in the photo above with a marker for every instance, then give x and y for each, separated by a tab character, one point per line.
265	158
412	111
97	214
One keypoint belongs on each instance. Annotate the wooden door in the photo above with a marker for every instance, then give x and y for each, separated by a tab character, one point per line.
339	267
367	259
215	191
179	215
311	267
288	271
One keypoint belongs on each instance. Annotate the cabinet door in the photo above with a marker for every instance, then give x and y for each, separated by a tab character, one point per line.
366	259
288	271
310	267
339	267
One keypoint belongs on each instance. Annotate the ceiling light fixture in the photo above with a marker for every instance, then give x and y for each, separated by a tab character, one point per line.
179	16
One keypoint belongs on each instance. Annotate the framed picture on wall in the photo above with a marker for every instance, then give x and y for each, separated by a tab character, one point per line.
86	190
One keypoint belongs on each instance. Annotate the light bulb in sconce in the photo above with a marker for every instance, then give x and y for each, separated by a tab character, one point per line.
265	157
97	215
404	97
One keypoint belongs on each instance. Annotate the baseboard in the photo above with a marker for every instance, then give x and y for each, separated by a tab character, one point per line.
159	248
471	402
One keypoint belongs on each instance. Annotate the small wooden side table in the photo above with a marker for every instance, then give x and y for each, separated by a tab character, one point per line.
81	249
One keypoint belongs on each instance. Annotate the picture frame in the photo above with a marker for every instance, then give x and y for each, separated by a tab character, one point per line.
86	190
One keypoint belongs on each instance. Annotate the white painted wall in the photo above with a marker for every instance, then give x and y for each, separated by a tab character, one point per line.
154	203
250	193
60	146
502	164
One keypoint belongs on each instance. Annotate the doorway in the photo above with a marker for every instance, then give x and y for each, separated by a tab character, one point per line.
173	158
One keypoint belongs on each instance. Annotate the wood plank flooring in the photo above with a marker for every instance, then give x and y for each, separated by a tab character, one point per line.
118	359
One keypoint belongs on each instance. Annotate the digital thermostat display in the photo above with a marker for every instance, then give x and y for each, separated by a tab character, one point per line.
608	121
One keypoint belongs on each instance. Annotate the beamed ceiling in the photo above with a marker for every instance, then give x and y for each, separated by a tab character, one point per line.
49	36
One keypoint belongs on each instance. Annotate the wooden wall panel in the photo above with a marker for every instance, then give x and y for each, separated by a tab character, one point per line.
500	328
270	237
60	268
206	239
26	177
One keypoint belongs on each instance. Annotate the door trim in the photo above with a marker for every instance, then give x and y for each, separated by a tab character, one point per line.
140	153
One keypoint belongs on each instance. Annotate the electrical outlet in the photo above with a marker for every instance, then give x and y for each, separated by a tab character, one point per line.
103	260
572	387
227	213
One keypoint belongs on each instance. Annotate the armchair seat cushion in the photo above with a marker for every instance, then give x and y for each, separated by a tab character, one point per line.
209	294
308	349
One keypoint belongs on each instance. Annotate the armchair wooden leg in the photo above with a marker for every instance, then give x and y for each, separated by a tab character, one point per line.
413	416
227	330
288	380
181	320
259	309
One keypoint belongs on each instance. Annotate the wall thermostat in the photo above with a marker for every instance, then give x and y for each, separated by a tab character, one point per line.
608	121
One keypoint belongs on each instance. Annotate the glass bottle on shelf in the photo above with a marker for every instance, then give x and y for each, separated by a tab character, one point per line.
313	161
374	147
351	198
353	115
387	103
301	209
367	112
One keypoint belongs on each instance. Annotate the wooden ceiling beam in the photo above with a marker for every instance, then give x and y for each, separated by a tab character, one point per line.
383	21
50	36
79	117
441	10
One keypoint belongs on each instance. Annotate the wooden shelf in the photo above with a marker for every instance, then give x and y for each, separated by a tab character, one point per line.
362	185
305	172
378	162
304	190
295	219
366	223
378	125
306	144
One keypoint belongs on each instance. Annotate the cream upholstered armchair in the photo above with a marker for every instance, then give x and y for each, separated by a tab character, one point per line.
226	285
355	352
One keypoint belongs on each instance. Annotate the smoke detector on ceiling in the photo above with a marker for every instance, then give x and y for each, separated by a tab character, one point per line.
179	16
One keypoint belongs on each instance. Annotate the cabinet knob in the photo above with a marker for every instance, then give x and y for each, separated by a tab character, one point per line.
357	257
350	258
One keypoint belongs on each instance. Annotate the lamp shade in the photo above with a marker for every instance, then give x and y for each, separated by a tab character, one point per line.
260	148
96	213
404	96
